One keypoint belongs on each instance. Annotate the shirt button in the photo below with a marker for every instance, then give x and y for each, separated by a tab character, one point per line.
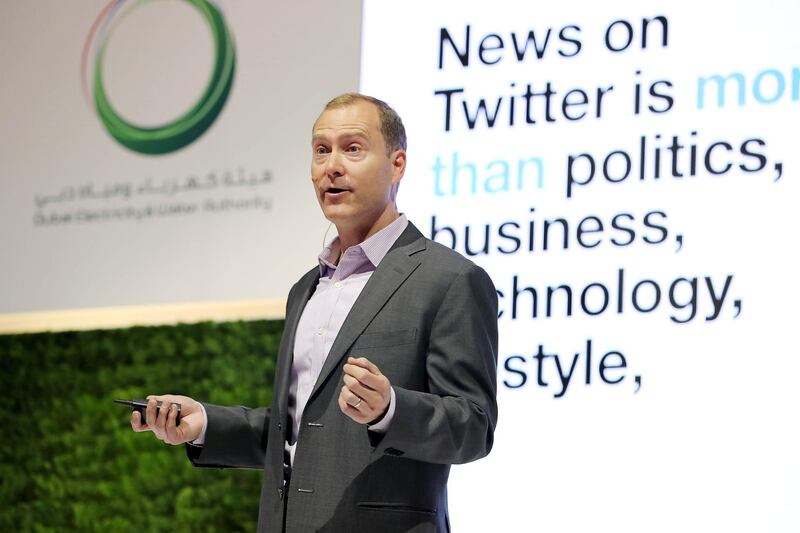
321	331
338	284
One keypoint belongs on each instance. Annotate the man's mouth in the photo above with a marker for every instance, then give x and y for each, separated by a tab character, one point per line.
335	192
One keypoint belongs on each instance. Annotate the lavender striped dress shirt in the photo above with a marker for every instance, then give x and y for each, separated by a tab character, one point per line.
337	290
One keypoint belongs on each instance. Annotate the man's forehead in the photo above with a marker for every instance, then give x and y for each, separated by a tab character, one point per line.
356	117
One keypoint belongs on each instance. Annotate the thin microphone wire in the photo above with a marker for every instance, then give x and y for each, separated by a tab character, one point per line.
325	237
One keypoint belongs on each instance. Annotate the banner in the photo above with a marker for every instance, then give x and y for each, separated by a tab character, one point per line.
159	152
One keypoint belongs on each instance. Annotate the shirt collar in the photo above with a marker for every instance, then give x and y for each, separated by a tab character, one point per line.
372	250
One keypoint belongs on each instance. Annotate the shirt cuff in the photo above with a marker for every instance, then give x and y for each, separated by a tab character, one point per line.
199	441
383	425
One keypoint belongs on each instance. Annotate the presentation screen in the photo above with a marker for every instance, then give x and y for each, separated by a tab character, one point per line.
627	174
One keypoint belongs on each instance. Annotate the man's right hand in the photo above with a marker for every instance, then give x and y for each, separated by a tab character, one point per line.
164	426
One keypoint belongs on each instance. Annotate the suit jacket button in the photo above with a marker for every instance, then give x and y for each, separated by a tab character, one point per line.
280	494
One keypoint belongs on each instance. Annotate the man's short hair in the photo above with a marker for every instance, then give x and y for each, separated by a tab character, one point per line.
394	134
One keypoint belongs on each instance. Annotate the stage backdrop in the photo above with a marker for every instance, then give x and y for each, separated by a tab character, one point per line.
627	172
159	152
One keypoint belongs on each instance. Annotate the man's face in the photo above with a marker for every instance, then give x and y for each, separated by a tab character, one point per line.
353	177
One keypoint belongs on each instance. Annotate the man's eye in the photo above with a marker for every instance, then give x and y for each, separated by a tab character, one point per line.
354	148
320	150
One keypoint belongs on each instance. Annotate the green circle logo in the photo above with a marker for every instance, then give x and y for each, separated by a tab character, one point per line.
188	127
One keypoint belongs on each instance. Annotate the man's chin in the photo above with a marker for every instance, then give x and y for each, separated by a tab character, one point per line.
338	214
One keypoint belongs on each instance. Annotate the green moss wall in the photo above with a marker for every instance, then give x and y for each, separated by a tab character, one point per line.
69	460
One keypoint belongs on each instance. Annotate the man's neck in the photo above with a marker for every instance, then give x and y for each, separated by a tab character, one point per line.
351	236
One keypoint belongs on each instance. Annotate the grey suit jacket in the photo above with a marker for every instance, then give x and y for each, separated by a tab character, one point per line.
427	318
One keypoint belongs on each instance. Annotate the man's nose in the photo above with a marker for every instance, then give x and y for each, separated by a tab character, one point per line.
334	167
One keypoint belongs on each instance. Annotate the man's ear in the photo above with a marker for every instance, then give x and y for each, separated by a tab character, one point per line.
398	161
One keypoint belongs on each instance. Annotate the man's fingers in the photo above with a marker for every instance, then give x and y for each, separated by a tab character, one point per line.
163	412
136	422
161	422
352	399
172	431
363	413
157	416
363	380
345	399
152	420
343	405
364	376
367	394
354	381
364	363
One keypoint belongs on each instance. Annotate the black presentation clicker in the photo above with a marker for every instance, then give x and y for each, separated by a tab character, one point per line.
141	406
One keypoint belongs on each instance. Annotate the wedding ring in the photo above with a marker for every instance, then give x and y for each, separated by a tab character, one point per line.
358	402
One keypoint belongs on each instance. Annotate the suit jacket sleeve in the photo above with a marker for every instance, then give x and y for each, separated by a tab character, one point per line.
453	421
236	437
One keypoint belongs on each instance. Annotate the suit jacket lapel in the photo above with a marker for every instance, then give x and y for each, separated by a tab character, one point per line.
393	270
305	289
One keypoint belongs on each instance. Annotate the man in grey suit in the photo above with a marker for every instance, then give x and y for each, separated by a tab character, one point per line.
386	372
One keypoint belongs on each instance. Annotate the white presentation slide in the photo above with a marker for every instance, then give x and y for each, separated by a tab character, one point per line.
627	173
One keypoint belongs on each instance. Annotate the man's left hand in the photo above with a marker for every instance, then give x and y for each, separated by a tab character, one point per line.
366	392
